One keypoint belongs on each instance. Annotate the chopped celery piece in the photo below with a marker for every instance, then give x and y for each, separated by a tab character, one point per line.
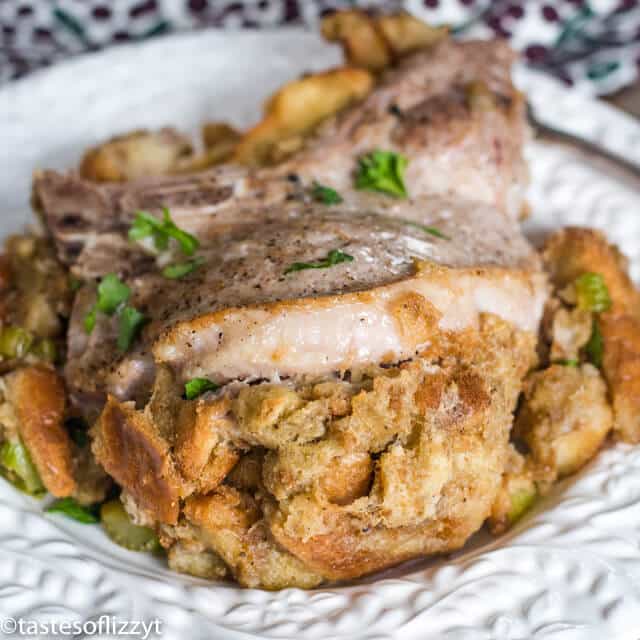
521	502
122	531
15	458
592	293
15	342
45	349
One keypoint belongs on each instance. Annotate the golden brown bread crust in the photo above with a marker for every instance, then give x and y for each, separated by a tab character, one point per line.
37	395
564	418
202	449
230	522
432	486
135	155
569	406
129	447
568	254
621	366
517	481
348	552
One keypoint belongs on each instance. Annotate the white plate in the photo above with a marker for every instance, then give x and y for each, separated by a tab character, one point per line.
569	571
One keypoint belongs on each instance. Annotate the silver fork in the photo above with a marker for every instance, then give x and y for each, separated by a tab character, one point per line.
548	133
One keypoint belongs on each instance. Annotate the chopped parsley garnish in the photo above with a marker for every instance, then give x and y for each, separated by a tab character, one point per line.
90	320
326	195
382	171
131	322
430	230
72	509
112	292
595	347
335	256
197	386
182	269
112	295
592	293
161	231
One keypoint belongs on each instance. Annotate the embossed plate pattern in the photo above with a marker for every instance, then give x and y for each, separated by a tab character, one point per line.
569	571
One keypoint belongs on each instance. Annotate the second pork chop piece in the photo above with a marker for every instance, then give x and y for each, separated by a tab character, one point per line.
452	111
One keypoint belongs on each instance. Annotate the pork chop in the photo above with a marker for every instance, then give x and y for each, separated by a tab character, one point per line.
451	110
241	315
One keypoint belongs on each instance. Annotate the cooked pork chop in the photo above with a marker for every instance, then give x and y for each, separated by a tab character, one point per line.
240	315
451	110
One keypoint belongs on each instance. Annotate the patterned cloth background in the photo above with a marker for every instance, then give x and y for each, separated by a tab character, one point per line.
591	44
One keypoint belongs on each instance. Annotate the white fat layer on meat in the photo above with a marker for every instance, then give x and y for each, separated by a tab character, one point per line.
260	343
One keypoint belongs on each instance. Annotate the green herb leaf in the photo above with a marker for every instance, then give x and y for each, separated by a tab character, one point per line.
568	363
430	230
334	257
112	292
188	243
145	225
182	269
197	386
90	320
595	347
15	458
326	195
382	171
592	293
131	322
72	509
